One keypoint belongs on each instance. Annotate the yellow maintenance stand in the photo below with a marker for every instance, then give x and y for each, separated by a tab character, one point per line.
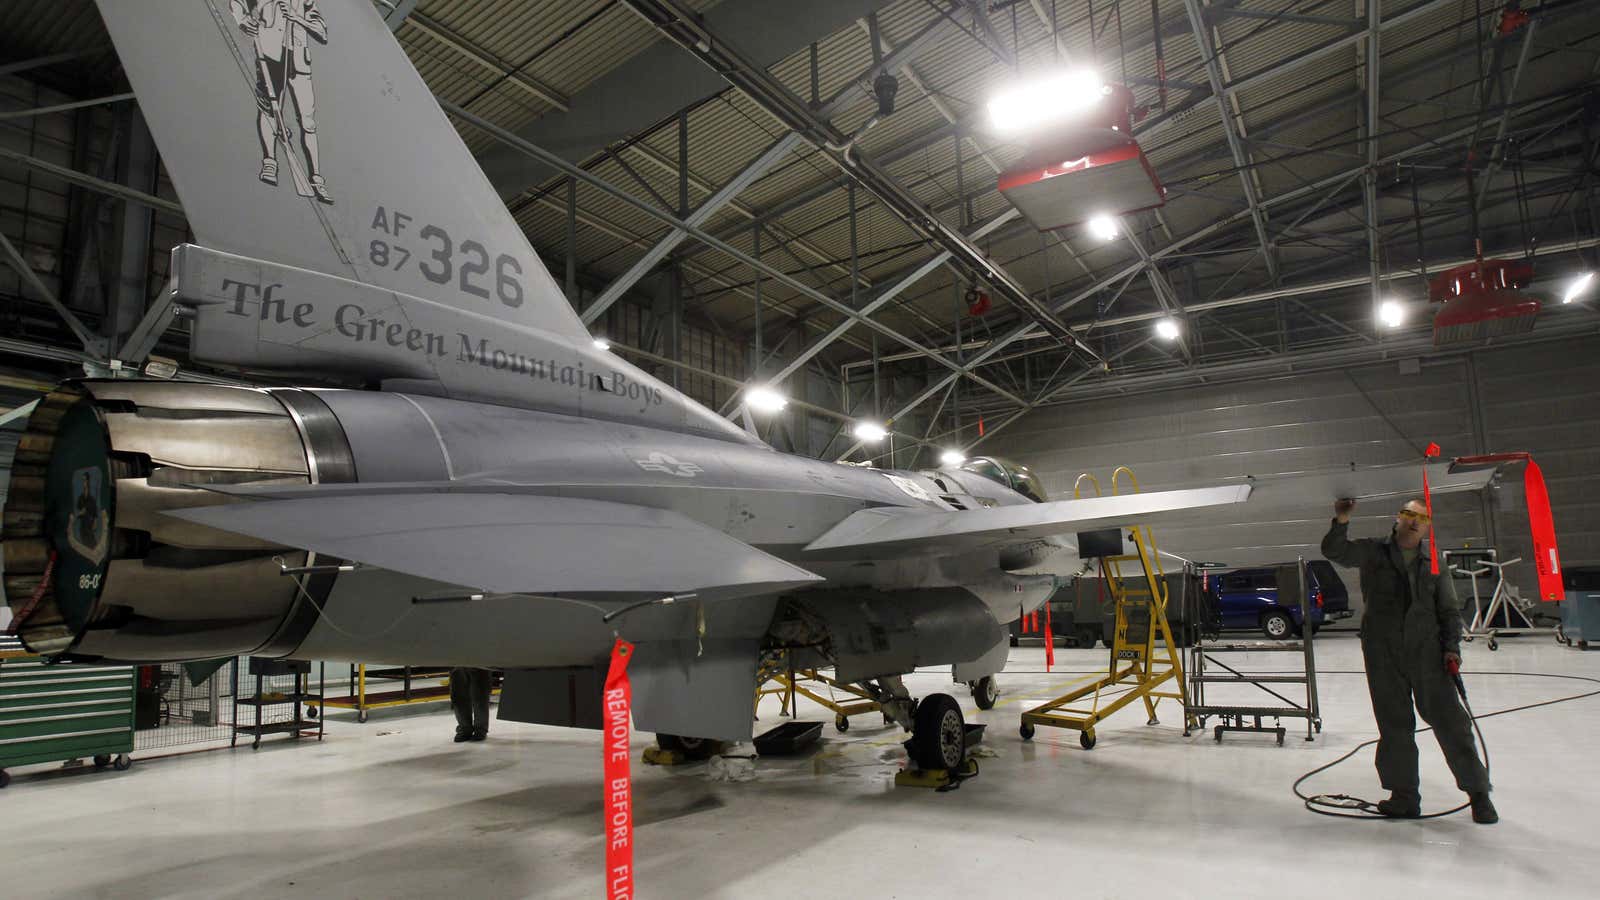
1137	667
779	676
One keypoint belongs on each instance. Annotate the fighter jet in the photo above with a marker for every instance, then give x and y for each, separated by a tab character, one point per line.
498	490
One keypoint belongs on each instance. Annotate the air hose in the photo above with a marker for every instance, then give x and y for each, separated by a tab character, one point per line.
1345	806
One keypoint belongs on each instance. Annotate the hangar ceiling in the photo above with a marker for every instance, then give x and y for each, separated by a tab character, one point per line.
1314	152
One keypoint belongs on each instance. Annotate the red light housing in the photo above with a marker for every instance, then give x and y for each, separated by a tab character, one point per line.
1482	300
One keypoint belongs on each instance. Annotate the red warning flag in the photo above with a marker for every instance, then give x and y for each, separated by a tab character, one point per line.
1049	640
1546	561
1427	498
618	785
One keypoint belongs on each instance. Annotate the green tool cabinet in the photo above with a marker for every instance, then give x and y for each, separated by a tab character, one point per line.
62	712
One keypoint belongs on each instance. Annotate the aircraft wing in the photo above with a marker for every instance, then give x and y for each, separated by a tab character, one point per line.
903	531
1315	490
515	543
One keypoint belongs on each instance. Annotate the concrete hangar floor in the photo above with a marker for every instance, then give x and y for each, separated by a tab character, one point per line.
392	808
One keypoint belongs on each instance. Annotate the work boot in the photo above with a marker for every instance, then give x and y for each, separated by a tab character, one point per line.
478	735
319	189
463	735
1483	811
269	171
1403	805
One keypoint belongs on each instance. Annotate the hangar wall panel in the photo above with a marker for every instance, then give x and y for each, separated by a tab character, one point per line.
1544	398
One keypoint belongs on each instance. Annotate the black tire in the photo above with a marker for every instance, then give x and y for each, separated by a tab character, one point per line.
841	724
938	736
689	747
1026	731
1494	644
1086	740
985	692
1277	625
122	763
1016	641
1583	645
1086	636
101	760
361	716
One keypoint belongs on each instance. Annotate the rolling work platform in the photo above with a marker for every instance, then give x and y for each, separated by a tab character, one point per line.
1250	717
779	677
1137	668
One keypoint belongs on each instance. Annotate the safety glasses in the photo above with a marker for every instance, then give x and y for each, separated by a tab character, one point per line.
1424	518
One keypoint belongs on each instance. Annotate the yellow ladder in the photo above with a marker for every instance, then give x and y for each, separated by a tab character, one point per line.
1138	668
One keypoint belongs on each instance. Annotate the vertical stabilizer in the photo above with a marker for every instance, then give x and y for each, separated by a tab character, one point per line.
299	132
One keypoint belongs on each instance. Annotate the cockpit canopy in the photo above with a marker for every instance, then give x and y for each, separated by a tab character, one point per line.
1003	471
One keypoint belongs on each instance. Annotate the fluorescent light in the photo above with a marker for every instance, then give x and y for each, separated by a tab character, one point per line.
951	458
1391	313
1048	100
870	432
602	344
765	400
1167	329
1103	227
1577	287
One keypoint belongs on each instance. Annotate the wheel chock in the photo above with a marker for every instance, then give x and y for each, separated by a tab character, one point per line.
938	779
655	756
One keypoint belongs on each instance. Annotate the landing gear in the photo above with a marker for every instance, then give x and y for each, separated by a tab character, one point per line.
985	692
938	738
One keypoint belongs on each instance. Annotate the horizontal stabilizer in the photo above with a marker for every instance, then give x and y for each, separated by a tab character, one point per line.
902	531
503	543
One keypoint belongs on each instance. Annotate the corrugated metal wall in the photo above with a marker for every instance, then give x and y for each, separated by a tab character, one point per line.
1543	398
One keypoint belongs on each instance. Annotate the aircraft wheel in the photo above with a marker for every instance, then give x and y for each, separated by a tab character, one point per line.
1026	731
841	723
938	740
1086	740
985	692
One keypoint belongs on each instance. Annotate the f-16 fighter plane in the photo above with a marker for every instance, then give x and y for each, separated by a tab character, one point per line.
500	492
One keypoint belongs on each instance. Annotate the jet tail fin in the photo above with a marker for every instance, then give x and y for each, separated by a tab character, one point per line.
342	227
299	132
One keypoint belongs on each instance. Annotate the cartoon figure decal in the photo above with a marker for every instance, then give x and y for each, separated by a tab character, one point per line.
282	32
88	531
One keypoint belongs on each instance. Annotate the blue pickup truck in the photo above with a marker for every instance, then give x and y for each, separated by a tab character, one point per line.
1247	599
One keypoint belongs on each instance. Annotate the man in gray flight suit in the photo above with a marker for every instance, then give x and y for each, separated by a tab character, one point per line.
1410	634
469	695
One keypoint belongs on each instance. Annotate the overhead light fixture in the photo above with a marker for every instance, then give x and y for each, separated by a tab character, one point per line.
1167	329
1048	100
602	344
1103	227
1577	288
951	458
870	432
1391	313
765	400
